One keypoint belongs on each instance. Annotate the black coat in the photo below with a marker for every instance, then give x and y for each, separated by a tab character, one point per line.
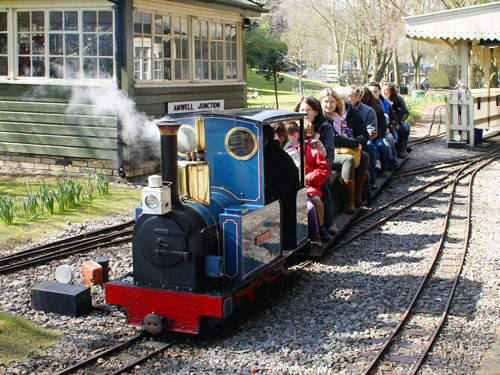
356	124
400	109
281	181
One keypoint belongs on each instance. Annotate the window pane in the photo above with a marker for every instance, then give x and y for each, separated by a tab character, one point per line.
137	22
204	50
197	29
23	21
90	67
166	25
197	49
137	69
213	50
178	70
24	67
71	45
38	44
177	49
3	65
56	67
185	70
71	21
184	26
177	25
228	51
213	71
106	45
90	45
147	44
158	28
198	72
185	48
158	70
167	48
137	46
55	21
219	30
235	70
38	21
147	23
233	33
220	71
204	29
3	43
105	68
146	70
105	21
205	69
228	32
3	21
158	50
212	30
24	44
90	21
167	70
72	67
234	53
56	44
38	66
220	51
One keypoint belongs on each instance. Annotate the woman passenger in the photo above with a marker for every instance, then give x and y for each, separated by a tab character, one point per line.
314	116
399	107
353	178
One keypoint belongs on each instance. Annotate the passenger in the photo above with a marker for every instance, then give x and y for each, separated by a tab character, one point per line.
401	111
390	134
281	134
368	99
353	178
317	171
369	119
281	181
321	126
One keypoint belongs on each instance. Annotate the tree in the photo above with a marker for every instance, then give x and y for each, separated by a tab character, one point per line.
271	67
259	42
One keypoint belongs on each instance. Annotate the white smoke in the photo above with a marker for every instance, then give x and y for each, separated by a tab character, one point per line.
138	130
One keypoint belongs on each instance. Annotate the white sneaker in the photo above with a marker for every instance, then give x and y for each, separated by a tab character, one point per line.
378	165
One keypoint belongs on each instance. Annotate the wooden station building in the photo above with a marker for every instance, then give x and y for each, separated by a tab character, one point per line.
161	56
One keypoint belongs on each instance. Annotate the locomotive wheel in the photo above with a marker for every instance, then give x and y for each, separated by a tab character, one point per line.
153	324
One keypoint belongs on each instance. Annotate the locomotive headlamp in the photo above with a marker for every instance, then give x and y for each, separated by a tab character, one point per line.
156	198
151	201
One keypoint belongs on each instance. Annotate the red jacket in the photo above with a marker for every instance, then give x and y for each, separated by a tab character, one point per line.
317	171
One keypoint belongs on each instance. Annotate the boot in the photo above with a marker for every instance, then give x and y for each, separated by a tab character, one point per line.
324	235
358	191
349	197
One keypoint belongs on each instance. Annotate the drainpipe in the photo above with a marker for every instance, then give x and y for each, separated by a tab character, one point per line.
118	70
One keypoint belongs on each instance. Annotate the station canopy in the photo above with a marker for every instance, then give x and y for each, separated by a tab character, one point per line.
477	24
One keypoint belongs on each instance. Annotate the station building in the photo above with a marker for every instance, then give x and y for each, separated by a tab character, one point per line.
77	77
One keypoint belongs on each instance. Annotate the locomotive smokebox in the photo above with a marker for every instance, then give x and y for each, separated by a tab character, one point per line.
168	143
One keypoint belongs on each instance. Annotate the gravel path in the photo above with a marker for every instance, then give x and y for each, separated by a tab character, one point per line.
329	315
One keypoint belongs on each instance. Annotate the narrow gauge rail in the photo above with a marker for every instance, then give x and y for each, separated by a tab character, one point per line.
112	235
137	343
428	138
406	348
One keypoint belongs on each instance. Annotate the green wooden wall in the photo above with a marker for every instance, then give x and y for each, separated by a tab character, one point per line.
35	119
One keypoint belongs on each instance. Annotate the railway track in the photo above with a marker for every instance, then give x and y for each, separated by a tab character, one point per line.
406	348
109	236
435	124
121	357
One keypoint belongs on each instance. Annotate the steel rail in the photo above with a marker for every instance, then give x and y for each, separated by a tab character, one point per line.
409	309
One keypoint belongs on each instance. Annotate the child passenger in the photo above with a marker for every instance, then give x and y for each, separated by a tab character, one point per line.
317	171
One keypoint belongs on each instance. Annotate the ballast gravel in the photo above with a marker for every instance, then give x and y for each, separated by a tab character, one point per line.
328	318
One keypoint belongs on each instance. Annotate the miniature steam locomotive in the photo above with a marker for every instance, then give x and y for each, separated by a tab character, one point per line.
206	238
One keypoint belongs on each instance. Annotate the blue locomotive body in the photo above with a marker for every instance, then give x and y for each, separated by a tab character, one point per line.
215	238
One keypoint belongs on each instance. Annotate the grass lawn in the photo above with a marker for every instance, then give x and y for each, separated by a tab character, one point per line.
20	339
288	90
119	200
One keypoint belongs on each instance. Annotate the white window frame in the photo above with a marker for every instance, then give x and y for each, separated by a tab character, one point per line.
192	58
13	47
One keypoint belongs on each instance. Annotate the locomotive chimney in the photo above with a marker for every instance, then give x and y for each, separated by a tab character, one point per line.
168	142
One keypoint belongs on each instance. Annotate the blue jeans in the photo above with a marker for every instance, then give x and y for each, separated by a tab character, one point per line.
383	151
373	152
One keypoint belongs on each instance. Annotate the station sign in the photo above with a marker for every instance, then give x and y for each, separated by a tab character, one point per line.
195	106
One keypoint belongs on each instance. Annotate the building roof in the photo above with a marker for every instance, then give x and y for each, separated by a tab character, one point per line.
246	7
475	23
